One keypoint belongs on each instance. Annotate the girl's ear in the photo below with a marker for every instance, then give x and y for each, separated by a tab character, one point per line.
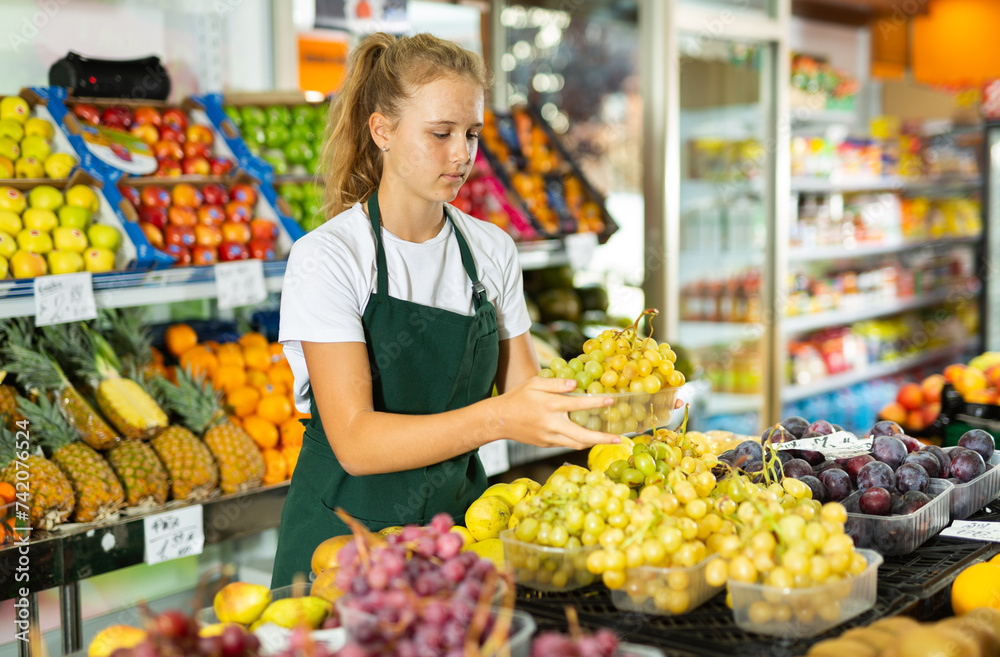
378	124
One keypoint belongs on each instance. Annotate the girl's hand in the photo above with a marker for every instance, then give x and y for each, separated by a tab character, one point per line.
536	412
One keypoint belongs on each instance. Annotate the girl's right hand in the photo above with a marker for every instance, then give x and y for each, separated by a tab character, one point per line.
536	412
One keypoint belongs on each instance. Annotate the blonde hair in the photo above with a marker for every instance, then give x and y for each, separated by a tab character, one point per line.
382	73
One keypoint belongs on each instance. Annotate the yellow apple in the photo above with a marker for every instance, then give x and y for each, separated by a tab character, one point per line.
44	220
10	223
14	107
32	239
59	165
65	262
40	127
7	245
26	264
46	197
29	167
69	239
36	147
12	200
74	217
3	268
82	196
99	260
11	128
9	148
104	237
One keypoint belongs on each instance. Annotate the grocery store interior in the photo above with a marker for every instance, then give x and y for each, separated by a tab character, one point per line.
803	190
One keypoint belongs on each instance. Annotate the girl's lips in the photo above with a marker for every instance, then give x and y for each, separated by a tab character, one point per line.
453	177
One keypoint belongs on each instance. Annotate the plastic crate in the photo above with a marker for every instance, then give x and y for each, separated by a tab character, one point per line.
644	587
972	496
891	535
547	568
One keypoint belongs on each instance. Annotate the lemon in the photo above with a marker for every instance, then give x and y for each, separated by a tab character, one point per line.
511	493
601	456
467	537
487	517
492	549
120	636
976	586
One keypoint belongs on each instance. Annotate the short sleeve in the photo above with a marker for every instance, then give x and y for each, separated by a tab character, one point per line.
512	314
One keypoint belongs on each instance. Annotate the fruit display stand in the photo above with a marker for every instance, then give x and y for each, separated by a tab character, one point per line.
60	157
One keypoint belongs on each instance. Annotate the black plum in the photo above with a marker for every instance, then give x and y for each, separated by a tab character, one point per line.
911	476
776	434
859	530
837	427
755	470
978	441
927	461
750	448
785	455
822	427
875	501
967	465
876	474
813	434
797	468
886	428
912	444
897	503
814	458
943	457
826	465
795	425
837	483
913	500
889	450
855	463
818	489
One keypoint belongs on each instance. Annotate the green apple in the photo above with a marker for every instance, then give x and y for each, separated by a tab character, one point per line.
40	127
29	167
72	216
299	152
303	115
14	107
65	262
9	148
278	115
69	239
253	115
3	268
11	128
253	148
83	196
59	165
10	223
27	264
313	165
312	207
32	239
37	147
296	210
277	161
234	114
303	133
99	260
7	244
312	222
105	237
12	200
39	219
46	197
254	135
276	135
291	192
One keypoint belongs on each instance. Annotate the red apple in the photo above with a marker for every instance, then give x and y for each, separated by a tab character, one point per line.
169	167
894	412
152	233
172	133
147	116
910	397
931	388
244	194
201	134
117	117
155	215
204	255
179	215
181	253
235	231
954	372
179	235
931	412
211	215
196	149
175	117
186	195
215	194
168	148
207	235
232	251
155	196
146	132
263	230
131	194
915	421
221	166
87	113
261	249
236	211
196	166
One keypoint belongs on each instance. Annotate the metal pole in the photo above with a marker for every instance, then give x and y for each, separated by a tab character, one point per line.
71	619
33	646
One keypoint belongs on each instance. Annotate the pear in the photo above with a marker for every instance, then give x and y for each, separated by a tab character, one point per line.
325	586
292	612
215	629
240	602
114	637
325	555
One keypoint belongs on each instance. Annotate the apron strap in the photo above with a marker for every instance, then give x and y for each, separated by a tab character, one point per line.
382	281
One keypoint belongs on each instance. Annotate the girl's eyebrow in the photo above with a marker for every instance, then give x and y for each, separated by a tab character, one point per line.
446	122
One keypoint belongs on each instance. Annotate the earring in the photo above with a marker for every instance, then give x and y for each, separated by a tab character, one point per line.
385	148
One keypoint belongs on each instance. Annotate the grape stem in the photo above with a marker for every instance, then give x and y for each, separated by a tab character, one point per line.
361	535
573	623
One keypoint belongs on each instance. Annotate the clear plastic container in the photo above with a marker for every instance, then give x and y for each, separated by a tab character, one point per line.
631	412
635	650
665	591
805	612
547	568
969	497
894	535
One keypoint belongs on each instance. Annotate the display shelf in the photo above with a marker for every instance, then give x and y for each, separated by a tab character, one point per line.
694	335
817	254
869	309
874	371
806	116
542	254
807	185
731	403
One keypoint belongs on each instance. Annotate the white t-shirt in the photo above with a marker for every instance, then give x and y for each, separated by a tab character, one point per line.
331	274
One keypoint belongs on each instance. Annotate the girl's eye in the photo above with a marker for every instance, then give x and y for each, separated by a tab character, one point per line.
441	135
473	135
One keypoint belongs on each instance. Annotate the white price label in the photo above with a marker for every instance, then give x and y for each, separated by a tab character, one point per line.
64	298
494	457
580	249
973	530
240	283
174	534
839	445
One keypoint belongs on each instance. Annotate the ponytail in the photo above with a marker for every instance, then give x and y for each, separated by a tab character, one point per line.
382	72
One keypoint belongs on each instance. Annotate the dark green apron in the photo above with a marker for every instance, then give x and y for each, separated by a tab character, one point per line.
423	360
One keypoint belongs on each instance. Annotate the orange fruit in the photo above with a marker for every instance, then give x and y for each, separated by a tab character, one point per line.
263	432
281	374
291	433
277	352
228	378
8	494
243	400
275	407
199	361
253	339
211	344
237	421
976	586
273	389
275	466
180	338
231	354
257	358
157	355
256	378
291	454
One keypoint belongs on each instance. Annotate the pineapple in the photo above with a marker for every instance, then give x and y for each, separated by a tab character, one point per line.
241	465
129	337
193	473
98	492
8	403
36	371
141	473
49	496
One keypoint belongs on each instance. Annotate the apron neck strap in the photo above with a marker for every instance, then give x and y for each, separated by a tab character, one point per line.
478	290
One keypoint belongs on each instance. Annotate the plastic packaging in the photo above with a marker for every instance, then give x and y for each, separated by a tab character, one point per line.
969	497
547	568
664	591
894	535
631	412
810	611
635	650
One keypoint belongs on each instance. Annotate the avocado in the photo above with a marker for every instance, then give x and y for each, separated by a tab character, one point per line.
559	304
593	297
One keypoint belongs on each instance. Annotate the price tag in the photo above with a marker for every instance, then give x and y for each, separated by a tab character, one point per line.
494	457
972	530
838	445
64	298
580	249
174	534
240	283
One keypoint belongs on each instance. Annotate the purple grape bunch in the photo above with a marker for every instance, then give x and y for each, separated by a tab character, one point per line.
602	643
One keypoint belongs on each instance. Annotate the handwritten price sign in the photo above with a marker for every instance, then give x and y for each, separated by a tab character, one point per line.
240	283
174	534
64	298
838	445
971	530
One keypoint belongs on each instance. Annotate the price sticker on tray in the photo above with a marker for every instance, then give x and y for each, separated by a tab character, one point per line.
494	457
174	534
972	530
240	283
64	298
837	445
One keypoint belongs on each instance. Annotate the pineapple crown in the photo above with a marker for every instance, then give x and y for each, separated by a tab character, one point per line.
129	335
47	422
19	330
81	348
35	369
7	442
192	399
